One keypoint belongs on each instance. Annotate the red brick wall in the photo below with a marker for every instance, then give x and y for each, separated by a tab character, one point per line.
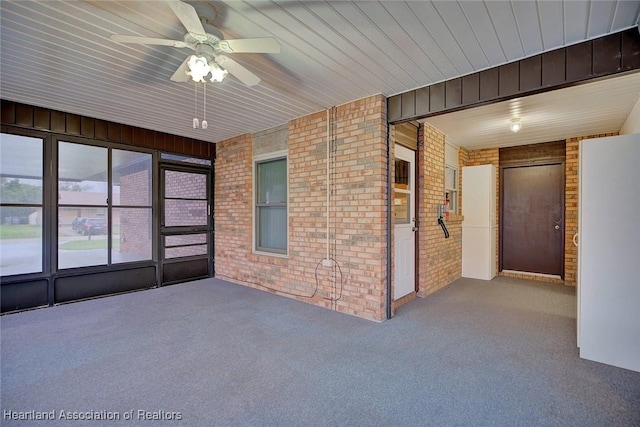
135	224
440	259
357	284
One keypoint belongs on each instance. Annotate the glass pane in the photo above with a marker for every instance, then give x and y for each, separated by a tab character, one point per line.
402	174
20	240
185	239
184	212
401	208
185	185
272	228
131	235
450	178
83	242
185	251
131	174
272	181
21	169
82	174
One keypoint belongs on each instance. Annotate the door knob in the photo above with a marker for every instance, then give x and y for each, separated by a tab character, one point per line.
557	227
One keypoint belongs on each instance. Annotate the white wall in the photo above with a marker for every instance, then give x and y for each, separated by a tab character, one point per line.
632	124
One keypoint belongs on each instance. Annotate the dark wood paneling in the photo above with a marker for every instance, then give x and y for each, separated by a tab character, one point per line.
408	104
562	67
24	115
187	146
178	144
453	93
553	67
72	124
27	116
509	79
8	113
489	84
531	73
630	50
579	61
57	121
471	88
607	54
422	100
138	137
533	153
126	134
149	138
394	107
114	132
102	130
168	143
88	127
436	95
41	118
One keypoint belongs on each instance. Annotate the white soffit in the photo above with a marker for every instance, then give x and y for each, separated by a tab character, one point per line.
587	109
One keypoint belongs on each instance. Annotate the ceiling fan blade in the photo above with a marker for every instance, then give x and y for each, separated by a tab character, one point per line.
258	45
147	40
240	72
188	16
181	73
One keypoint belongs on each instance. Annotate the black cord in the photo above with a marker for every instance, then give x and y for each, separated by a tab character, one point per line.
315	290
444	227
269	288
336	265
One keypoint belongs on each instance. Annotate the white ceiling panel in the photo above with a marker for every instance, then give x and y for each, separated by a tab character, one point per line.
576	21
551	24
477	16
58	54
602	107
528	23
601	19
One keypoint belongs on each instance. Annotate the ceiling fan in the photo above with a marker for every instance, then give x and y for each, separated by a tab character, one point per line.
210	59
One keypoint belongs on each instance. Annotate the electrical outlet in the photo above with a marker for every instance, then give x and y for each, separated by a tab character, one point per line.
327	262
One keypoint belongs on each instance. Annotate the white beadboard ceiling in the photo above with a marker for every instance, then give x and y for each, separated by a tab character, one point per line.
57	54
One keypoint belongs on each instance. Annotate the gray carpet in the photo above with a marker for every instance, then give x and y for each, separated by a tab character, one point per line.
475	353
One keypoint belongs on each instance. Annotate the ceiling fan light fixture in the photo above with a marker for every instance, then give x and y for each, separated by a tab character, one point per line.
198	68
515	125
218	73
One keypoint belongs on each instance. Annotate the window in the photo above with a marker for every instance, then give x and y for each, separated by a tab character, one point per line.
21	203
401	193
131	216
271	230
104	214
451	179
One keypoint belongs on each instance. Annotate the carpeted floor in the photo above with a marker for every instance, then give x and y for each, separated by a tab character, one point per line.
212	353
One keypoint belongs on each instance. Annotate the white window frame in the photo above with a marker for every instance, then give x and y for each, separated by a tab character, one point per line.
451	164
276	155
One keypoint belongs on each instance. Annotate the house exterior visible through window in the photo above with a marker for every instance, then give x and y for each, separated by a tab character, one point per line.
271	217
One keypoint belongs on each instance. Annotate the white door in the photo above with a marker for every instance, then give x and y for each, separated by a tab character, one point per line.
609	250
404	212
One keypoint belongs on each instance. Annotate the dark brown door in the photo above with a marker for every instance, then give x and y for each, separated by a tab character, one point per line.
532	223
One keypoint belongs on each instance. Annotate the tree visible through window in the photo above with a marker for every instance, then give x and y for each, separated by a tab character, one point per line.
271	206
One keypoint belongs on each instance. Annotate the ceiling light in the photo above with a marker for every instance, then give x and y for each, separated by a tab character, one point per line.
515	125
217	73
198	68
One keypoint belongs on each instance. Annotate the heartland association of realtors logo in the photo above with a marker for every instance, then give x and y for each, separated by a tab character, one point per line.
133	414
